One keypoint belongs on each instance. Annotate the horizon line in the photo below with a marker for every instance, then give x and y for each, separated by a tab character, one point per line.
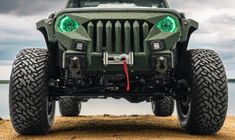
231	80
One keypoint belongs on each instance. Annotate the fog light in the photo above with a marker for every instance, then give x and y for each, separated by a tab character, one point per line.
157	46
79	46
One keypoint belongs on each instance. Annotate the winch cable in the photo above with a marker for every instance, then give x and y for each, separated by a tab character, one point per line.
125	67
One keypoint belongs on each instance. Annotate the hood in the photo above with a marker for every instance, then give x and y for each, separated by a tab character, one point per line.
115	8
118	5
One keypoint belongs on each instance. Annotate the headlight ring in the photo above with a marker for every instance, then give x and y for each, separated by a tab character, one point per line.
67	24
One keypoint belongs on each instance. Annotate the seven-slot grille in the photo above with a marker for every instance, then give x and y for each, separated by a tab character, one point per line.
118	35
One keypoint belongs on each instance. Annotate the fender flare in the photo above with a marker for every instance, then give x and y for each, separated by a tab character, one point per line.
45	26
188	27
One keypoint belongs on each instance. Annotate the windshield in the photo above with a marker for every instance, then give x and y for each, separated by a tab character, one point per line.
95	3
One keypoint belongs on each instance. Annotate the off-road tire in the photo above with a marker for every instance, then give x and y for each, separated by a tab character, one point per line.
163	107
69	107
31	110
204	109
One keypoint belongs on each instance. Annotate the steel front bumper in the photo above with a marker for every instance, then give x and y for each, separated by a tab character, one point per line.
139	63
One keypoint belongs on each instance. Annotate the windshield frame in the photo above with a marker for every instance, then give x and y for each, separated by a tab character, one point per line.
68	5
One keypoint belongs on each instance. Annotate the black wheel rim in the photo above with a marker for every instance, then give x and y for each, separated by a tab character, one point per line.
50	109
185	106
153	106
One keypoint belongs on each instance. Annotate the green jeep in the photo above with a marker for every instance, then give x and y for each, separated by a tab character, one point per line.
130	49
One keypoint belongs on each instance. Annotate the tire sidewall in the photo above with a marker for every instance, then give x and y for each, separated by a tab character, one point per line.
69	107
38	121
208	103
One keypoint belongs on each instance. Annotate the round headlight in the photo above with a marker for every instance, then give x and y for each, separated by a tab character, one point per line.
67	24
168	24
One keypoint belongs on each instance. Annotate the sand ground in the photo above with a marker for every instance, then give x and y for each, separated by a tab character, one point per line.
117	128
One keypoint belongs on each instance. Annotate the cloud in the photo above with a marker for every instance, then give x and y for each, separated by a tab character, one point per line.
8	5
224	18
201	4
18	32
29	7
216	26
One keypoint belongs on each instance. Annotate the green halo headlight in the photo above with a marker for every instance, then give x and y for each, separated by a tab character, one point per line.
168	24
67	24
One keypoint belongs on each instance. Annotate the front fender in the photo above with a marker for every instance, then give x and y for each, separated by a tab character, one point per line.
188	27
45	26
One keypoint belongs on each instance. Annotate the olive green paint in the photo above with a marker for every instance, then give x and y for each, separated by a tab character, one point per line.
142	60
47	25
186	25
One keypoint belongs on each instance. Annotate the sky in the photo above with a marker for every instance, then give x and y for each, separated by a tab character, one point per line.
18	29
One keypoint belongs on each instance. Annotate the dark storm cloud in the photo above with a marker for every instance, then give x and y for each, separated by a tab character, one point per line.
29	7
8	5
